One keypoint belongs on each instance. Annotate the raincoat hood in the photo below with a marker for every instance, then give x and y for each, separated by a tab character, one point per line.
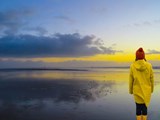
140	65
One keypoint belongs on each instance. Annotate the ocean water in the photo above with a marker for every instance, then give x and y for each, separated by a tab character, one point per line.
91	94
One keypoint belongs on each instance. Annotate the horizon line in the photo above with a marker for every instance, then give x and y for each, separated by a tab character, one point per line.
68	69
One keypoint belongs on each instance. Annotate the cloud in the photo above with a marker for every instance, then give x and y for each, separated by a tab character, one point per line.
98	10
65	18
11	21
11	63
144	23
153	51
58	45
147	23
157	21
38	29
29	63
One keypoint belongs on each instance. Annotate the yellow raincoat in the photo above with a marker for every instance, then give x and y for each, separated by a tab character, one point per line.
141	82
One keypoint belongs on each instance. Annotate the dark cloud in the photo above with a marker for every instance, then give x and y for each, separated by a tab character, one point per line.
58	45
11	21
153	51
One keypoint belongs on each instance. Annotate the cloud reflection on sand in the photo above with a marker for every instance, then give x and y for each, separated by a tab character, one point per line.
28	97
58	90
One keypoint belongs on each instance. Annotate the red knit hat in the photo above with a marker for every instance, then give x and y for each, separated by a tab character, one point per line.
140	54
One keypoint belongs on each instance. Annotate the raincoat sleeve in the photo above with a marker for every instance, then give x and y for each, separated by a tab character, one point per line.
152	80
131	79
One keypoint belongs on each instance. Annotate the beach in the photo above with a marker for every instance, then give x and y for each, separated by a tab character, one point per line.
83	94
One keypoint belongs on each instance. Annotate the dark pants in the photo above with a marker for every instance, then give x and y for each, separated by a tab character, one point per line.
141	109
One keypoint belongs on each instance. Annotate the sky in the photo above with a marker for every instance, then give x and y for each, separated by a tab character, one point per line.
78	33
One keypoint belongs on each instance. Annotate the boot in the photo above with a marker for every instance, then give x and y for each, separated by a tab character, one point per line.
139	117
144	117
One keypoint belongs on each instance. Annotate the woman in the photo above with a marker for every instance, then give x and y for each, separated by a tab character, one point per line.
141	83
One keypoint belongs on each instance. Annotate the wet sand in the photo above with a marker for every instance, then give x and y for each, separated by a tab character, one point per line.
70	95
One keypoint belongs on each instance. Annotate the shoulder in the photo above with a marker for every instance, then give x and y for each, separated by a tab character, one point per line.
148	64
132	65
